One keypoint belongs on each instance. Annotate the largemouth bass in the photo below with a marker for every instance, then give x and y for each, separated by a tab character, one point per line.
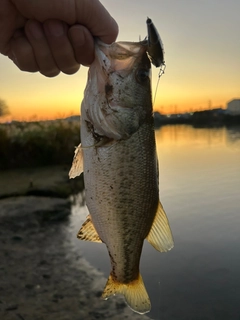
118	157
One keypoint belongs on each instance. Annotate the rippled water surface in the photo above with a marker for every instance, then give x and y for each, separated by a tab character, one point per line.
200	191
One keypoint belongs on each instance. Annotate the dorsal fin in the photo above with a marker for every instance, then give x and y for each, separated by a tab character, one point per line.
88	231
160	235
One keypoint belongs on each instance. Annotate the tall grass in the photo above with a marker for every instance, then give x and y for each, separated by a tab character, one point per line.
32	144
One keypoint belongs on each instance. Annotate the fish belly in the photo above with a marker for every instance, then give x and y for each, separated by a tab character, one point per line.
121	185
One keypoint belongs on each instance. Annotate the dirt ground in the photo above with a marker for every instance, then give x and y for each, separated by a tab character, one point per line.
48	181
42	276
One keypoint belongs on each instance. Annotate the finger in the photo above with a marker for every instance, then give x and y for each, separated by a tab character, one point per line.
97	19
60	45
92	14
43	55
7	28
83	44
22	53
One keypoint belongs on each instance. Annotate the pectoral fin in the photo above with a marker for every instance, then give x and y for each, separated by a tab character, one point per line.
88	231
160	235
77	164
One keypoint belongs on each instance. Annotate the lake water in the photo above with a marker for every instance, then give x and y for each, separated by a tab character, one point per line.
200	190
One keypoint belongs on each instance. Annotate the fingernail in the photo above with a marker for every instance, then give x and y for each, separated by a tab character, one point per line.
55	28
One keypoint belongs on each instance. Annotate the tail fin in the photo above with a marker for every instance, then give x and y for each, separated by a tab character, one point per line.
134	292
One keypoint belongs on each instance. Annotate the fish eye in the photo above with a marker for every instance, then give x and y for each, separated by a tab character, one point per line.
142	75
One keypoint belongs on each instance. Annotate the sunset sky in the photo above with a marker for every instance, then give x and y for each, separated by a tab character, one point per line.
202	54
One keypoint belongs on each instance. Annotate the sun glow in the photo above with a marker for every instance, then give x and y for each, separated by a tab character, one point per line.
201	72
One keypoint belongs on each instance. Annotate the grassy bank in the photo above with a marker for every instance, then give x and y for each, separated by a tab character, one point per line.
36	144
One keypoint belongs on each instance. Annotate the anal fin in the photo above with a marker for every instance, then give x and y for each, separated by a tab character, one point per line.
160	235
88	231
134	293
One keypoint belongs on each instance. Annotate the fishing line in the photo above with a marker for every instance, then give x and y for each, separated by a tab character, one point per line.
161	72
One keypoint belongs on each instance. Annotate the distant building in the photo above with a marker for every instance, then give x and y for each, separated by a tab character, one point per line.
233	107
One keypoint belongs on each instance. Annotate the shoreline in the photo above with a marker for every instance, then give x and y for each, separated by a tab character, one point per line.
49	181
42	276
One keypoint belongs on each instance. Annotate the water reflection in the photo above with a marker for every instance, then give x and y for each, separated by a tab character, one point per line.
182	134
233	135
199	188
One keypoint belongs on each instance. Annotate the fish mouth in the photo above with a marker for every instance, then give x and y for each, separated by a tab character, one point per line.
123	54
109	95
112	65
119	55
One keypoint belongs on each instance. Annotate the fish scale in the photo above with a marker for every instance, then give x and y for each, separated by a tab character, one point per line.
118	207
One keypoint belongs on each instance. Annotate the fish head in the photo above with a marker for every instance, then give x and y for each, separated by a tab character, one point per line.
117	98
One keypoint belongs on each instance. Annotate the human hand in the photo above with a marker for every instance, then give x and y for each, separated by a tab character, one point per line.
50	36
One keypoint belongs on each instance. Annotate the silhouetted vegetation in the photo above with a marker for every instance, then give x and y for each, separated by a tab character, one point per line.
33	144
3	108
205	118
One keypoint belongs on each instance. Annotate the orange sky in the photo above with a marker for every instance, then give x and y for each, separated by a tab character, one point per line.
202	51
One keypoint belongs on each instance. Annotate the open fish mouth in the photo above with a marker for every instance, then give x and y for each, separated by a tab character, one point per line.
119	56
110	92
117	71
125	50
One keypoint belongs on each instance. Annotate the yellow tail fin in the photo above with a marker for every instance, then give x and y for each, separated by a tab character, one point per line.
134	292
